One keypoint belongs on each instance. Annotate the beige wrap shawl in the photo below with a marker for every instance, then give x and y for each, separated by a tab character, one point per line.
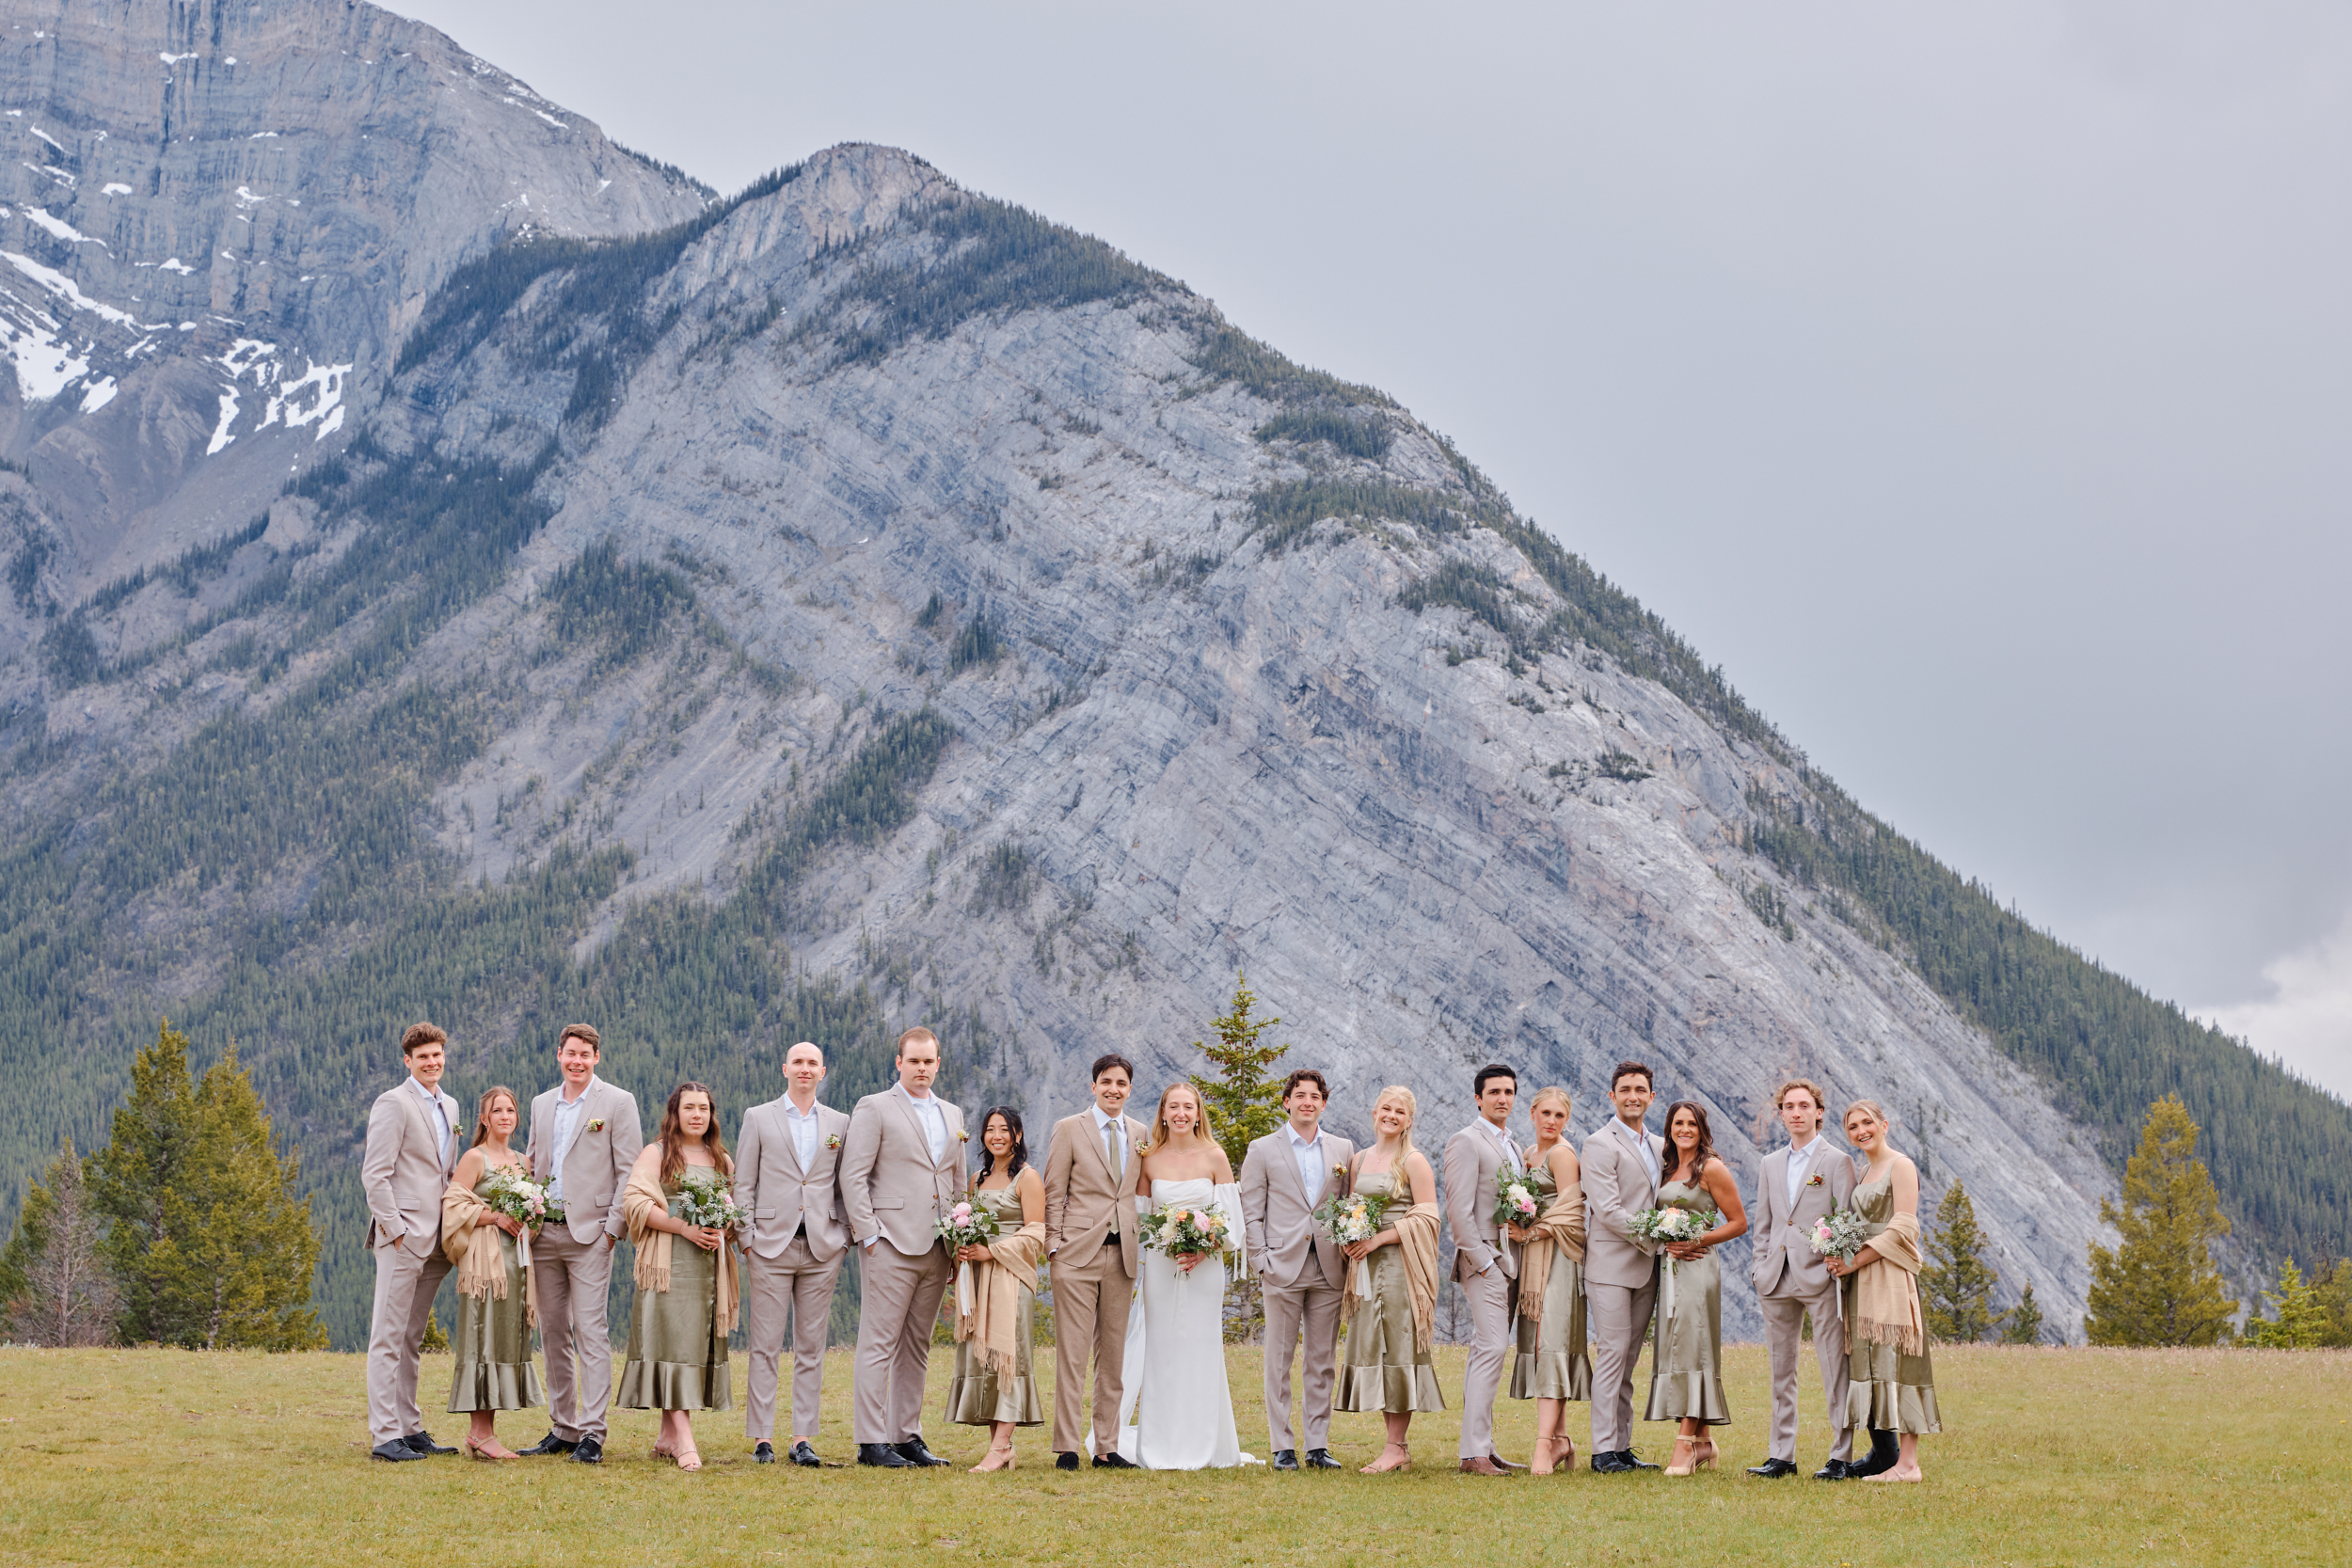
482	1270
994	1323
1417	1239
1562	1228
640	1201
1884	1307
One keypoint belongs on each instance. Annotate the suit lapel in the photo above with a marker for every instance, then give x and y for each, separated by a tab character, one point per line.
1290	1163
792	1143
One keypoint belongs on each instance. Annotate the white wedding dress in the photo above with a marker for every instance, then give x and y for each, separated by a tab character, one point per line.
1175	1360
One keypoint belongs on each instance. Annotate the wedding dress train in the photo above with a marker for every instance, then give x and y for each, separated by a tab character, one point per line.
1174	1366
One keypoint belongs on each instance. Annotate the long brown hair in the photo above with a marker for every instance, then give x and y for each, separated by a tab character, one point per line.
1706	1149
481	1113
673	1137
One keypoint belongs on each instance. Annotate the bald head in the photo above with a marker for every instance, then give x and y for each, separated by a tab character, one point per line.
803	1070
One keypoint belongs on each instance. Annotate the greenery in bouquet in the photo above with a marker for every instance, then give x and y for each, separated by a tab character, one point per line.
1839	1234
1515	1200
521	1199
967	1224
1188	1229
1353	1217
705	1198
1673	1224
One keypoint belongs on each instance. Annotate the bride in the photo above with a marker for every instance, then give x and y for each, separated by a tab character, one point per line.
1175	1360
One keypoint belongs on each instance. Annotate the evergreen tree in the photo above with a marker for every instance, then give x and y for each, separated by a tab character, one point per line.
154	1132
2024	1326
2160	1286
1956	1287
2335	1299
2298	1318
55	1289
1244	1104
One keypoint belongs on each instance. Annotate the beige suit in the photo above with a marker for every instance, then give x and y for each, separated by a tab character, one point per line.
1485	1268
403	1171
1301	1269
1620	1272
1087	1203
792	1260
571	1264
894	1189
1792	1280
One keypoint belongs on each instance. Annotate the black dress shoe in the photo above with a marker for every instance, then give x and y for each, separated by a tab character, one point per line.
915	1453
1065	1462
550	1444
765	1453
1610	1463
422	1442
396	1450
1115	1461
1286	1459
1634	1461
1772	1469
804	1455
588	1450
883	1454
1834	1471
1320	1459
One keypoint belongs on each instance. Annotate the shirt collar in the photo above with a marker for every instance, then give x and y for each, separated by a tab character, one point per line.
1805	1150
562	1104
794	1110
432	1097
1102	1122
1297	1142
918	1100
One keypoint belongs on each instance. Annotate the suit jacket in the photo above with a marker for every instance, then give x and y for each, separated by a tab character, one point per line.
1084	1195
596	1170
1785	1264
782	1196
1618	1187
405	1166
1472	1158
890	1185
1286	1246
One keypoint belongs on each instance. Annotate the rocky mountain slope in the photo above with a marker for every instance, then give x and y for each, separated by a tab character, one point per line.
867	603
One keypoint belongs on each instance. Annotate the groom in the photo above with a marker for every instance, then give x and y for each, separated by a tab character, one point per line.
1800	1183
1482	1264
1283	1177
1622	1167
1091	1168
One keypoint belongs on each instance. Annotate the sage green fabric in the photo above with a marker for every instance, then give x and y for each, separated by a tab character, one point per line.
1380	1371
979	1396
1551	1362
1687	1345
493	1340
676	1361
1884	1388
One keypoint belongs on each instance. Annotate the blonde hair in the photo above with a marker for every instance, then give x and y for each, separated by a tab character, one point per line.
1552	1091
1160	1133
1412	1113
1872	1106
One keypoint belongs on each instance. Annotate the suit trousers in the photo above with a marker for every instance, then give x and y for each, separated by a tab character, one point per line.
792	1283
1288	1312
897	1305
405	1284
1618	1316
574	1278
1491	1297
1091	1302
1783	1328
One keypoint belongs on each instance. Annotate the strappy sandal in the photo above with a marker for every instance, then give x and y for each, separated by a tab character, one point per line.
1377	1468
689	1458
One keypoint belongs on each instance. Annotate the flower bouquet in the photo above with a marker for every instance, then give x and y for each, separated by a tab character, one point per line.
1187	1228
1672	1225
1515	1200
704	1199
1839	1234
966	1224
520	1199
1355	1217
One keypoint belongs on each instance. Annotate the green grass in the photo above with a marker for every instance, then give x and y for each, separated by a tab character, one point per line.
2050	1457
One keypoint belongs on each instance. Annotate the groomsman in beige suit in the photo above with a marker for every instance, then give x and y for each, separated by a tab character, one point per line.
903	1168
411	1148
1483	1265
1622	1166
1301	1269
1091	1168
1800	1183
788	1162
585	1136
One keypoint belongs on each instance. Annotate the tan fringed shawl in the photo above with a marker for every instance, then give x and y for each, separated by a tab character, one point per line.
1885	1309
482	1270
1417	1239
639	1202
1562	1228
994	1320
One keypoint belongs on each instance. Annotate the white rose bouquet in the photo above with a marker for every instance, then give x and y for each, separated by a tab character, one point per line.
1680	1226
704	1199
520	1199
1184	1228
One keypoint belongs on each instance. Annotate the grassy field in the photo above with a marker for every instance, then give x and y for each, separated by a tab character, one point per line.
2052	1456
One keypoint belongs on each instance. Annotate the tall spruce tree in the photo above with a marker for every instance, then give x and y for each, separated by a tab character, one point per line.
2024	1326
1244	1105
55	1289
1957	1285
2160	1286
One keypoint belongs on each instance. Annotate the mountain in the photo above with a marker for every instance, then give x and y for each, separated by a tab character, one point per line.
861	602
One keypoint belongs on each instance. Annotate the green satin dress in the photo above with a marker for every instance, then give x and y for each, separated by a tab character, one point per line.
493	1340
1686	1363
1380	1370
1552	1363
1886	1389
675	1359
981	1396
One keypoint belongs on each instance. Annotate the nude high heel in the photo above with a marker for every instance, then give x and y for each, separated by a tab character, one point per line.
997	1459
1682	1463
1703	1457
1377	1468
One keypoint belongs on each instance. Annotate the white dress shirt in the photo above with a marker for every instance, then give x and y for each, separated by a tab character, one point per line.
803	1131
1800	1162
440	1116
1307	1152
1510	1149
934	1121
567	1119
1639	1140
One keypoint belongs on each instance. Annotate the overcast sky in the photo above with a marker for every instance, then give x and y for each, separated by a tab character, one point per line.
1973	381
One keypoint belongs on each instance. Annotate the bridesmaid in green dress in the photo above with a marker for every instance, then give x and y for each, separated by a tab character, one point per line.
1890	1379
1686	1366
994	1386
1552	1367
493	1338
677	1330
1387	1367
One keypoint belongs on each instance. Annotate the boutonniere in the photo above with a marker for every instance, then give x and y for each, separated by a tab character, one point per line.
832	1140
596	1126
962	1136
1338	1173
1813	1180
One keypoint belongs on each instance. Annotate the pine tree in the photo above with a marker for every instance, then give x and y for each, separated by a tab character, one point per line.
2335	1299
2024	1326
55	1289
128	1177
1244	1104
1956	1287
2160	1286
2298	1318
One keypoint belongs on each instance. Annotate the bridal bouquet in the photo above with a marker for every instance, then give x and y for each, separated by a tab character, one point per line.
1515	1200
1673	1224
1839	1234
1187	1228
1357	1218
704	1198
520	1199
966	1225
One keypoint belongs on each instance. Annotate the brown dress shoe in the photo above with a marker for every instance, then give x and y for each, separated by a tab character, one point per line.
1482	1467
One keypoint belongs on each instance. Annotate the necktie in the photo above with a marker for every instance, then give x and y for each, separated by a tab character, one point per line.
1119	1170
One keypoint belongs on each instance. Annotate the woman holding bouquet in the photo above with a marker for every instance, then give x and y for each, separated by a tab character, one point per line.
492	1251
1685	1382
993	1385
1391	1297
1551	1366
1890	1381
686	1294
